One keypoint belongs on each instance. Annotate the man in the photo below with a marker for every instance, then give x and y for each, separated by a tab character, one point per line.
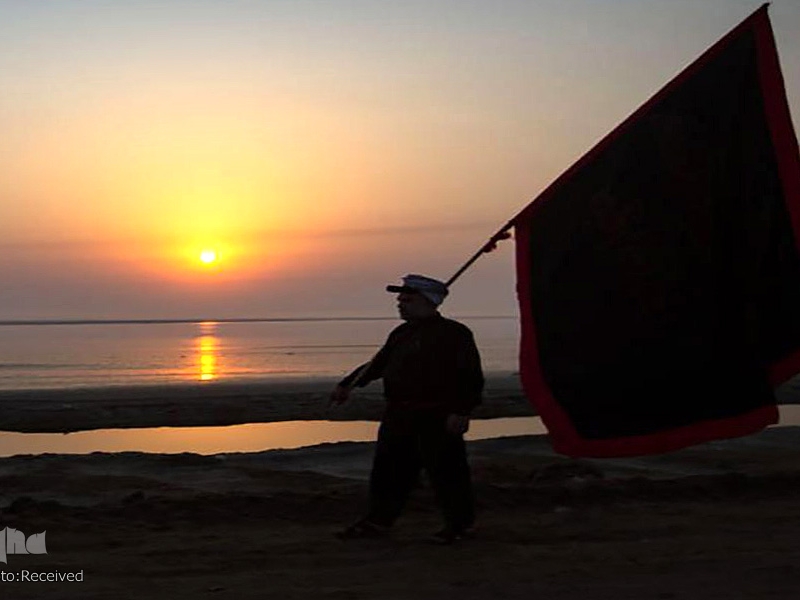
432	379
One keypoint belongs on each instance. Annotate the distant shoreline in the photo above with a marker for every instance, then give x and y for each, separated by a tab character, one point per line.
10	323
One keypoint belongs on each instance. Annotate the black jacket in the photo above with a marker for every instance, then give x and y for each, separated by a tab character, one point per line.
428	364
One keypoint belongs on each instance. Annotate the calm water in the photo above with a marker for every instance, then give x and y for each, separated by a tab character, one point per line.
69	356
59	356
252	437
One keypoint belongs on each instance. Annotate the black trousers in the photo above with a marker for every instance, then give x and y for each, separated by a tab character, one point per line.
407	442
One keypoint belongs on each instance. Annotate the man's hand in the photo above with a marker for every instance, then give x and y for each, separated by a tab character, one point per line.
339	395
457	424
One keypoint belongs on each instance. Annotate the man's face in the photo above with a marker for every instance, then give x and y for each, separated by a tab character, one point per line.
413	305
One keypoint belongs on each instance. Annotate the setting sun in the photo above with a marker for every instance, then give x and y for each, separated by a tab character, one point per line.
208	256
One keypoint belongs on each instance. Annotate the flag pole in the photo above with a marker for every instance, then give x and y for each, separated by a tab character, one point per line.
501	235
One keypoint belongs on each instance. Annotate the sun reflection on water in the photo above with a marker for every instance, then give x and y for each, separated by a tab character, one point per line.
207	352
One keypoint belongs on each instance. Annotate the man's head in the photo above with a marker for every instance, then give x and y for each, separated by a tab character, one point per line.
418	297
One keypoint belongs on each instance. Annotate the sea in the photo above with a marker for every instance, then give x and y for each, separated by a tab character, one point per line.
75	354
94	354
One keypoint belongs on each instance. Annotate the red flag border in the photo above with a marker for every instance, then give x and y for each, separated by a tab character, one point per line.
784	140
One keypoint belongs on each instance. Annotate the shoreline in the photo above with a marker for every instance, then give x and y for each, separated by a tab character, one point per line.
768	452
528	460
218	404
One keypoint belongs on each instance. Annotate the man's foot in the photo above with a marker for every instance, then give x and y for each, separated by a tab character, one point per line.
363	529
450	535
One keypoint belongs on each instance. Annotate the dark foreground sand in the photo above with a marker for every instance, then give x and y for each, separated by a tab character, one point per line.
720	520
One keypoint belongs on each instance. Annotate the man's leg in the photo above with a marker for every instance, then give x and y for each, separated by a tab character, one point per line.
395	470
445	459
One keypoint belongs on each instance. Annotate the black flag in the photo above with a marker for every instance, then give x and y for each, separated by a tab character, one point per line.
659	277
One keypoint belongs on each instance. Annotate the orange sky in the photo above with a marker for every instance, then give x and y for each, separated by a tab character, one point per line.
321	149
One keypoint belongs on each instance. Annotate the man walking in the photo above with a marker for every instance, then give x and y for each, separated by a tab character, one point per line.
432	379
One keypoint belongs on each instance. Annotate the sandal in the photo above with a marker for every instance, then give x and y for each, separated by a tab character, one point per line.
449	535
363	529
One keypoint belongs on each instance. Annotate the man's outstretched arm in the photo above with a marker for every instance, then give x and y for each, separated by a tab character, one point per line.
363	374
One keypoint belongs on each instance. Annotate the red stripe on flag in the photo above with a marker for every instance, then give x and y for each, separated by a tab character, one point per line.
673	439
779	118
531	374
784	369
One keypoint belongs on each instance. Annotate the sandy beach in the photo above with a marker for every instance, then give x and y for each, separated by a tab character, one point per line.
717	521
714	521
